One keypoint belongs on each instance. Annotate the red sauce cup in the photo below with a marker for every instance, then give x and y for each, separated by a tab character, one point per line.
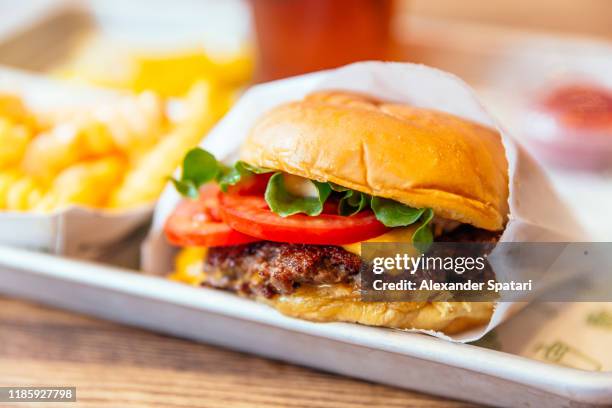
571	126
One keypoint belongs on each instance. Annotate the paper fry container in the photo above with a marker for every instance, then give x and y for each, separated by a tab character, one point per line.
72	231
536	214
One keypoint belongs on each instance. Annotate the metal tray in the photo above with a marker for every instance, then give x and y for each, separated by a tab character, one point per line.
401	359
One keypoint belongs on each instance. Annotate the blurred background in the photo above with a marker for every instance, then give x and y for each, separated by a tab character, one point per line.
363	28
541	66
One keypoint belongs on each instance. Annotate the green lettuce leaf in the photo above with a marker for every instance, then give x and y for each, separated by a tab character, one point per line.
338	188
185	187
231	176
352	202
252	169
283	203
394	214
423	236
199	167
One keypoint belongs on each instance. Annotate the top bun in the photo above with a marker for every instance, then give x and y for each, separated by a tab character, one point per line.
420	157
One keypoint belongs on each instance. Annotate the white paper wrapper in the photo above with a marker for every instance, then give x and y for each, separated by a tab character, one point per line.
73	231
536	214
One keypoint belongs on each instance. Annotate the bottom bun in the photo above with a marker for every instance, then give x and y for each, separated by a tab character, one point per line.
342	303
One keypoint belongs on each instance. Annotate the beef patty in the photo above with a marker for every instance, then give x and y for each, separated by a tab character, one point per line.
267	268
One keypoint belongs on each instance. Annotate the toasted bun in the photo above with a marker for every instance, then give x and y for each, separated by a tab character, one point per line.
420	157
342	303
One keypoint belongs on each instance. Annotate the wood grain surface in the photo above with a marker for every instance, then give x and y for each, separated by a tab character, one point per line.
117	366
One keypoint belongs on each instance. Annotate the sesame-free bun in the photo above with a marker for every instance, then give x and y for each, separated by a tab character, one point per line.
342	303
420	157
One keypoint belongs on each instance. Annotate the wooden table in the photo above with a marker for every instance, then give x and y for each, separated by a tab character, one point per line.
113	365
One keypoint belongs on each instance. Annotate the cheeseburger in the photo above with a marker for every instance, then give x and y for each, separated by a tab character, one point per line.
318	177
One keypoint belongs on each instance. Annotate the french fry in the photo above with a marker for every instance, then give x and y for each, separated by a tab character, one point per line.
119	154
135	123
22	193
66	144
7	179
13	109
88	183
14	139
147	178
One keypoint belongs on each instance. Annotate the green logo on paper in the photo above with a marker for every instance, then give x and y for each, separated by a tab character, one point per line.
600	319
561	353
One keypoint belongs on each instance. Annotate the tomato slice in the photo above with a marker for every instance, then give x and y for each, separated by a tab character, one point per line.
198	223
251	215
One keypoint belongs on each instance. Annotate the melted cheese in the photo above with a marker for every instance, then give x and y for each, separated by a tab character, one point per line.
403	234
189	264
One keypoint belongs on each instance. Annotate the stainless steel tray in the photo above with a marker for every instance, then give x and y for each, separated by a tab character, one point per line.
406	360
